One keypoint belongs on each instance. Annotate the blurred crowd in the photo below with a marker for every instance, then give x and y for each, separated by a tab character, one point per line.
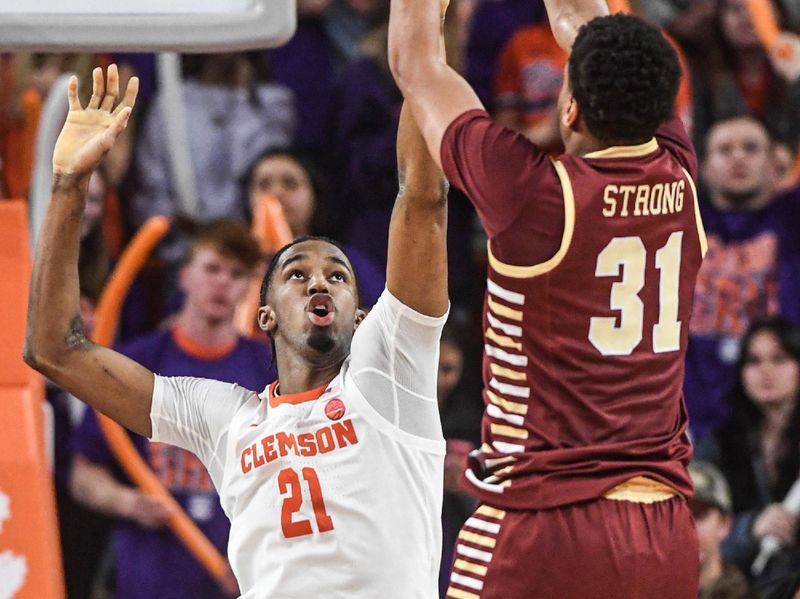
313	124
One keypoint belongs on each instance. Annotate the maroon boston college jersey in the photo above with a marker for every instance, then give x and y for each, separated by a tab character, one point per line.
592	265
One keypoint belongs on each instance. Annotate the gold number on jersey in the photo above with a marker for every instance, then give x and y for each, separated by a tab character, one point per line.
630	255
289	485
667	332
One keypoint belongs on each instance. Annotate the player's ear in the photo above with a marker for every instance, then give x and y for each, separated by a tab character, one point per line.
360	316
266	319
571	114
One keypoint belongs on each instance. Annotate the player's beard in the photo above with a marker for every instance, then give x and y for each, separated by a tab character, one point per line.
321	340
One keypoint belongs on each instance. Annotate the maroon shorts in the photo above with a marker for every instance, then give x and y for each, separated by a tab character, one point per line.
603	549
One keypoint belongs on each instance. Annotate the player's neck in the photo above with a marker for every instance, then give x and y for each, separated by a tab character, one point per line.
580	145
297	373
206	331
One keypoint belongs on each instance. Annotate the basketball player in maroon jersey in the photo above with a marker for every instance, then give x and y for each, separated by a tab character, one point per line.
592	261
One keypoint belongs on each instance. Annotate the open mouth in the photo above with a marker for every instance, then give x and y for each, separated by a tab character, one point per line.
320	309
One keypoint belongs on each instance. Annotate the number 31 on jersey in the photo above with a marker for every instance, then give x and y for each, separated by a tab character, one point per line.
629	254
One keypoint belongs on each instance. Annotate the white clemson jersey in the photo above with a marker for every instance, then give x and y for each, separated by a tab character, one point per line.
335	492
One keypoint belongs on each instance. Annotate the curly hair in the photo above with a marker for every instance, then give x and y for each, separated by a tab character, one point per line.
624	75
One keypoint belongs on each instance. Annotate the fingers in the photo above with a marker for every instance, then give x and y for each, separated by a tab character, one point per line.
72	94
98	88
118	124
112	88
130	95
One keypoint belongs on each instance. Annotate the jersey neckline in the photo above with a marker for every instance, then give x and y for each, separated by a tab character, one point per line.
294	398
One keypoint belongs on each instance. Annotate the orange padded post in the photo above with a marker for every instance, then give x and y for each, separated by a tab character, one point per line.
29	541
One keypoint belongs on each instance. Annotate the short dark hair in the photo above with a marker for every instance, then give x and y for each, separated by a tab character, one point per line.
228	237
273	264
624	75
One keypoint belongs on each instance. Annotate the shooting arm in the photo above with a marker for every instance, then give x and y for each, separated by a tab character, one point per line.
416	272
568	16
56	344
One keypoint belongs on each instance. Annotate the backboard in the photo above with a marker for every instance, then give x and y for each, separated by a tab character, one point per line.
145	25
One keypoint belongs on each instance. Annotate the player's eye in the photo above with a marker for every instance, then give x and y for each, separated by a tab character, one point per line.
297	275
338	276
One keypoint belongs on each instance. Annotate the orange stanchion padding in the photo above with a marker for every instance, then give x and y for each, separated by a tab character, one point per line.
29	541
106	320
20	145
272	232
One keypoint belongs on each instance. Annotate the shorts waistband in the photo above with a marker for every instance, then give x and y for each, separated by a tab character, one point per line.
641	489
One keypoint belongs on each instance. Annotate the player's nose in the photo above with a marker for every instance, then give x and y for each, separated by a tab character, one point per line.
317	283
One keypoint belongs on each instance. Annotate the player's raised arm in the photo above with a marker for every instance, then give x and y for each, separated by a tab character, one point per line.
55	342
568	16
416	270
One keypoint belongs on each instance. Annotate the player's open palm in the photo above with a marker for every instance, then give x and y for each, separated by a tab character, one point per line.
89	132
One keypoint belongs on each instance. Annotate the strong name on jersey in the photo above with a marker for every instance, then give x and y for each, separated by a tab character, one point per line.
592	264
334	492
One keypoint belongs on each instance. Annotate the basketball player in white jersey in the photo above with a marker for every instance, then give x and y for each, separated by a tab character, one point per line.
332	477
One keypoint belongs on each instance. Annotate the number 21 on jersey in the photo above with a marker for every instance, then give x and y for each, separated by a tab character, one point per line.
291	489
629	253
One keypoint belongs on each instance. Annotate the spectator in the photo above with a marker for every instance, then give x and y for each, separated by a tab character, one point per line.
736	74
305	64
752	267
491	26
758	449
461	426
348	23
235	117
201	342
293	179
786	587
528	82
711	508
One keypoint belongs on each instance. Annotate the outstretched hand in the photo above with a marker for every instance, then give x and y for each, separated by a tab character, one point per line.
89	132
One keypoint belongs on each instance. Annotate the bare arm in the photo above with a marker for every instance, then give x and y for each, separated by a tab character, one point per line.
95	487
568	16
416	270
55	343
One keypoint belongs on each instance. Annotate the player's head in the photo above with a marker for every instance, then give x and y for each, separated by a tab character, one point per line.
216	272
309	301
737	163
620	85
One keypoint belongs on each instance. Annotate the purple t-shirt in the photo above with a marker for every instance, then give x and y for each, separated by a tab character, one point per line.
751	270
155	564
